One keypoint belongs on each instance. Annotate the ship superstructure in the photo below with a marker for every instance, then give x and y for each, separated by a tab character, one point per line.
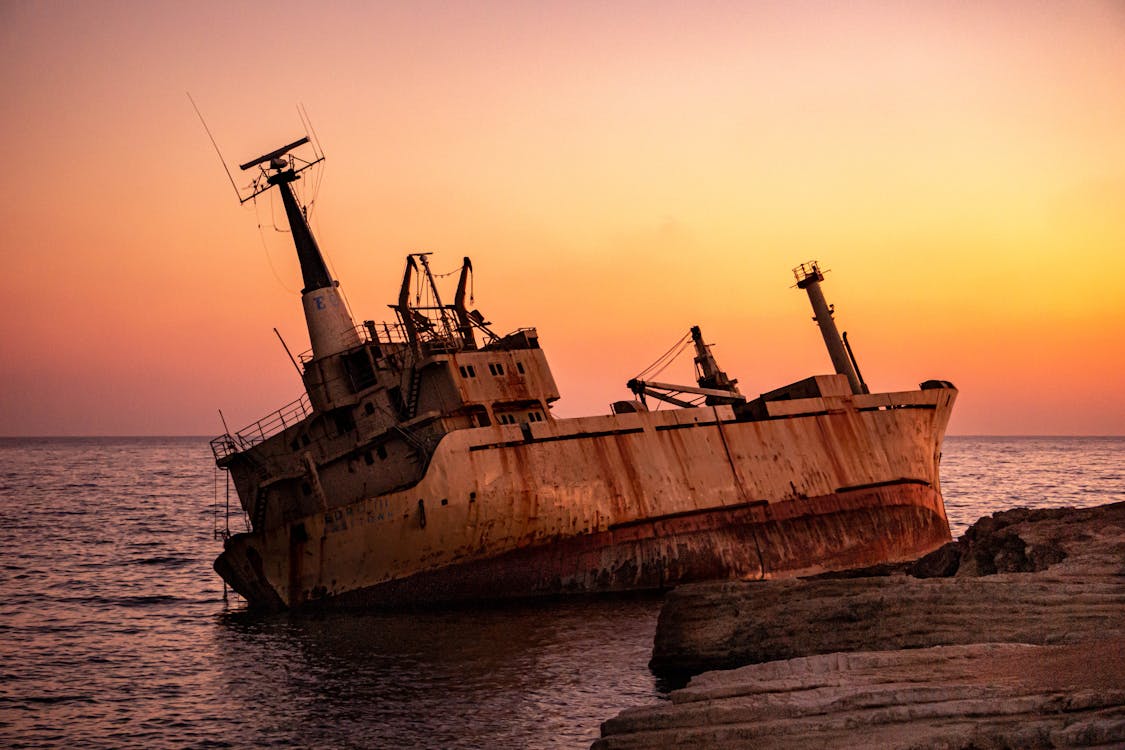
423	463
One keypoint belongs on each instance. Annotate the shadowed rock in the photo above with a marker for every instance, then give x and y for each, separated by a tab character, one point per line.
1012	636
1077	591
975	696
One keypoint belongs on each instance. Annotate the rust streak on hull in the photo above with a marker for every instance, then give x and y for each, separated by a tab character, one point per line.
717	544
665	498
894	522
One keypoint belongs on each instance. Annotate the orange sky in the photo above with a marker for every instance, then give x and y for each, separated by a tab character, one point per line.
618	172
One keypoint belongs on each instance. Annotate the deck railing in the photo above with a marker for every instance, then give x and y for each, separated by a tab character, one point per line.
266	427
363	334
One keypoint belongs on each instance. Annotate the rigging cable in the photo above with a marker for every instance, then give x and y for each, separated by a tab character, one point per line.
215	504
666	358
273	218
448	273
266	249
325	255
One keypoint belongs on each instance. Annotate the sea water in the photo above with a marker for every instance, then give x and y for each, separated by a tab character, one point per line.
114	631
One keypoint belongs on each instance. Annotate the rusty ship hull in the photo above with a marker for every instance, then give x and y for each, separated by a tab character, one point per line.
423	463
625	502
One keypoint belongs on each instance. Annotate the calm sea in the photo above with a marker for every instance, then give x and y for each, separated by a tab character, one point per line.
114	631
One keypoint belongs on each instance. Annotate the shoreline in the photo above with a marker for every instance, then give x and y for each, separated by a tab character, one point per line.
1012	635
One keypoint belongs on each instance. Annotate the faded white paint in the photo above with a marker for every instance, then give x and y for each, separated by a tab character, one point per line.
331	329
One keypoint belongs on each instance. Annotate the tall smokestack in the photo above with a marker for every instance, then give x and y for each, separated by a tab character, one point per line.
331	328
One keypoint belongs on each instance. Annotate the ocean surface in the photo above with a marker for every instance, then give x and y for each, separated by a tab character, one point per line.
114	631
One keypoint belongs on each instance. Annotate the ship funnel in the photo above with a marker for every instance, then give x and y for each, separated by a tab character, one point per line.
809	277
331	328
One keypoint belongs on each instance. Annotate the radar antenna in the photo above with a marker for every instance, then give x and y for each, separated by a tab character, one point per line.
331	330
277	161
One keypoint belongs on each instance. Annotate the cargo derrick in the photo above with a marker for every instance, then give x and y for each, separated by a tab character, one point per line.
423	463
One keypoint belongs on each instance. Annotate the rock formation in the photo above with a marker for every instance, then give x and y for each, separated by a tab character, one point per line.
1020	576
1012	636
978	696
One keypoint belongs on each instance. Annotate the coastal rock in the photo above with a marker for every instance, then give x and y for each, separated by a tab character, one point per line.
1077	591
723	626
1012	636
972	696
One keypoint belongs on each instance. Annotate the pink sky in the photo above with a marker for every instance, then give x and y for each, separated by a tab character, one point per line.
617	171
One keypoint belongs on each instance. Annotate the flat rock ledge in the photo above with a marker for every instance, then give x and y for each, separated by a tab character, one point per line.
979	696
1012	636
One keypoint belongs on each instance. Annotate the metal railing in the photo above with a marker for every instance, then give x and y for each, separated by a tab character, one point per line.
266	427
363	334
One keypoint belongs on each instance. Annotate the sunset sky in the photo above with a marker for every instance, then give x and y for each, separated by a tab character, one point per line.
618	172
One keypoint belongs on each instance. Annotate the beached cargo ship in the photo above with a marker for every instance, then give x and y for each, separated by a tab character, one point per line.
423	462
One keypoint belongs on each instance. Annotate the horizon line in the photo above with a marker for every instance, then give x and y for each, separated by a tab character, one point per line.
211	437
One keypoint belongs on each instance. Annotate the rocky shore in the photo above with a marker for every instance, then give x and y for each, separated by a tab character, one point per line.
1012	636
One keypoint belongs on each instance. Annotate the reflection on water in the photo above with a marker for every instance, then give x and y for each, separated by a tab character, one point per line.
113	631
527	675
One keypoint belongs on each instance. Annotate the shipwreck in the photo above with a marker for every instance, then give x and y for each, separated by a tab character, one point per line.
423	463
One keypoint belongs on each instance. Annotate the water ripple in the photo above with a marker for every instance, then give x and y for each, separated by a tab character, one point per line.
114	631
